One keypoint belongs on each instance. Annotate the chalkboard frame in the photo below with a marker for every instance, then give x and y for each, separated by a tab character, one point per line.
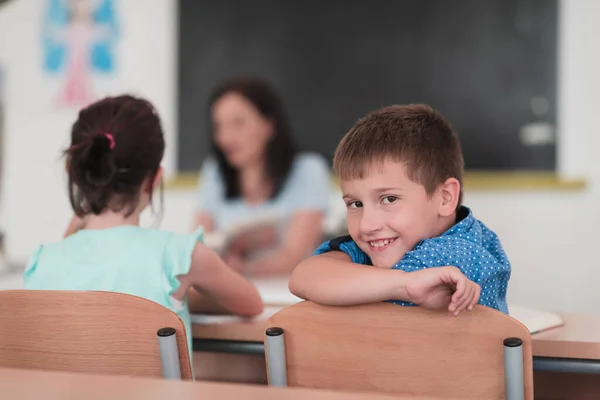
193	127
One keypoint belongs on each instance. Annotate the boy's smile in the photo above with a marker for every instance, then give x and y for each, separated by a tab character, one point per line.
388	214
381	244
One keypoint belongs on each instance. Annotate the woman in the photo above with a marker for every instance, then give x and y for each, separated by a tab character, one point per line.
256	171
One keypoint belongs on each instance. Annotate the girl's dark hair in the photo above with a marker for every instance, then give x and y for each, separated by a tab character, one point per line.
281	149
116	143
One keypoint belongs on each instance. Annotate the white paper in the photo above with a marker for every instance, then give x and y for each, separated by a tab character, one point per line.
535	320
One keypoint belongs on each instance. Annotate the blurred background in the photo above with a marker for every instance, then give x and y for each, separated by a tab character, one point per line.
517	79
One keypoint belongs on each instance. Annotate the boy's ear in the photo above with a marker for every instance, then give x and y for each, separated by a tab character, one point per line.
450	193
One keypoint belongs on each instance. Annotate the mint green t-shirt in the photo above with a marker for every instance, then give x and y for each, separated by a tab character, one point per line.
124	259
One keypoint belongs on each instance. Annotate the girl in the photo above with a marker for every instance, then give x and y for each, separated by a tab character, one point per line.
113	167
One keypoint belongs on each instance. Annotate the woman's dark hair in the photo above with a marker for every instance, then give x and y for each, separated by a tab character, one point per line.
116	143
281	149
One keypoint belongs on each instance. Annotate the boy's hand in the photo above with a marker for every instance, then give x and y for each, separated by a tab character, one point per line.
442	288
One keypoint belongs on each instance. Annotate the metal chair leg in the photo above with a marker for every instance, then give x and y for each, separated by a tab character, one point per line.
275	350
169	353
513	368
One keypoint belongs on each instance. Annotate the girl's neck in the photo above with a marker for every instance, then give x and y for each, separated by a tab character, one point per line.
255	186
110	219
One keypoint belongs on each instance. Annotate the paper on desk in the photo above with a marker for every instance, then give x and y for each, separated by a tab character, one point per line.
535	320
274	291
206	319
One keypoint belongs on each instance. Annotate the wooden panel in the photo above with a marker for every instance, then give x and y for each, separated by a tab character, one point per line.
367	348
96	332
558	386
233	368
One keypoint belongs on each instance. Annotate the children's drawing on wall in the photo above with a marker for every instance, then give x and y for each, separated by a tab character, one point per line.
78	39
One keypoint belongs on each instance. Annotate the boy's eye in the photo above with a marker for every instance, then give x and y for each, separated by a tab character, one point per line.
389	199
354	204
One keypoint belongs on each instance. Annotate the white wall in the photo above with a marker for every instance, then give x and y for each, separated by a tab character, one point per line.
550	237
33	183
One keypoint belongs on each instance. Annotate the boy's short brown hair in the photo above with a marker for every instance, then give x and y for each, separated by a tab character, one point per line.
415	135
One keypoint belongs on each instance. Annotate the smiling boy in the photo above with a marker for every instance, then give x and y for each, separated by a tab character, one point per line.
401	172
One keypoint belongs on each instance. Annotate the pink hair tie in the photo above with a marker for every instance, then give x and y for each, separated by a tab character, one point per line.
111	139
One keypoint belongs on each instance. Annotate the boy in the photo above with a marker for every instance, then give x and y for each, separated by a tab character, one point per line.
401	171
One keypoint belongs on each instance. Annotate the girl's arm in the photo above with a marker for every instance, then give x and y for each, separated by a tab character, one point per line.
220	285
205	220
200	304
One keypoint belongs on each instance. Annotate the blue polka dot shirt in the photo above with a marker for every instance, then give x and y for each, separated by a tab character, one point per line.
468	245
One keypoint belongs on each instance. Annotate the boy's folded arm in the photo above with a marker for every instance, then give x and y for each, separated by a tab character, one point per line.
333	279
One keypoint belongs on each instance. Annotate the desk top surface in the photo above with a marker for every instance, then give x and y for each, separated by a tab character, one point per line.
579	337
49	385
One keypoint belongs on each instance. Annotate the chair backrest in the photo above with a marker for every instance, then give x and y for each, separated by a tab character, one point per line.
403	350
94	332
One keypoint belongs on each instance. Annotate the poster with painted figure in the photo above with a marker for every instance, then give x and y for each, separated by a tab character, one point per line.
78	40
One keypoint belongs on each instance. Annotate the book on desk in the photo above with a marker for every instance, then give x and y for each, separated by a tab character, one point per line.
535	320
220	240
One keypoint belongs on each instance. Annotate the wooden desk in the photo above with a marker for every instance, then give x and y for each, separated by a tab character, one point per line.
573	348
252	330
29	384
579	338
566	359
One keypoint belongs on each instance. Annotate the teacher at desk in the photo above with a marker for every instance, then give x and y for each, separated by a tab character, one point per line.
255	171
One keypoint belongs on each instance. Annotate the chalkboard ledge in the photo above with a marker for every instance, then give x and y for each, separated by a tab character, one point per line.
473	181
520	180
